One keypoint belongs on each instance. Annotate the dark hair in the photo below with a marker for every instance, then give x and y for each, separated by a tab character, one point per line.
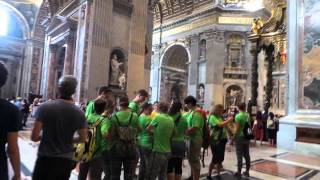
99	106
145	106
190	100
271	115
163	107
143	92
175	107
123	102
259	115
156	102
242	106
104	89
110	104
3	74
67	86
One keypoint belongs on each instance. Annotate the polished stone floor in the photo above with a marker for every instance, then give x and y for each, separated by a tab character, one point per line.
267	162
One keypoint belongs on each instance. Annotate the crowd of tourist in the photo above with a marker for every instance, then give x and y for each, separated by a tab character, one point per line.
114	134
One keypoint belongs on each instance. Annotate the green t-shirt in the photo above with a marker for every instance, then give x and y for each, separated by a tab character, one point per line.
163	127
144	138
180	127
89	108
105	129
218	133
134	106
124	118
93	118
242	118
195	119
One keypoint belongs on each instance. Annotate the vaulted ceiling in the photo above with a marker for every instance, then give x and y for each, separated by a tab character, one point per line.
28	8
175	8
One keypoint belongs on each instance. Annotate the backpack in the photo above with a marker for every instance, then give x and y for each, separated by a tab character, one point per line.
85	152
247	131
125	146
205	136
205	132
270	123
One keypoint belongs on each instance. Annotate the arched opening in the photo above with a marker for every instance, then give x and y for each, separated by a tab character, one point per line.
14	31
174	74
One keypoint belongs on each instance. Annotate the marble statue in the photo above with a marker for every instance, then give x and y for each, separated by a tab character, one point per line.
122	81
115	70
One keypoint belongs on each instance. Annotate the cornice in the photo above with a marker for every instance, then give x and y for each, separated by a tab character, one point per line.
215	11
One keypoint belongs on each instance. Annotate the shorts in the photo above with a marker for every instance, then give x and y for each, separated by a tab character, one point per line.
194	151
218	150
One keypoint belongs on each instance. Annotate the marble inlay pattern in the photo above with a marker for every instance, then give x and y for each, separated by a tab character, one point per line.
279	169
313	161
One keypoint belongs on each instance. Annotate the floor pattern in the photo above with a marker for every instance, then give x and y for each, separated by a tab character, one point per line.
279	169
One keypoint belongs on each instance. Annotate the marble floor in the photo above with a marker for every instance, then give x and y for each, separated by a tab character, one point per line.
267	162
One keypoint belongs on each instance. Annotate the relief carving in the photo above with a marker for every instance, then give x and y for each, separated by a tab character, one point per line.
215	35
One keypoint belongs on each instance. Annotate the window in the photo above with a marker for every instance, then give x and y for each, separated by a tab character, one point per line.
3	22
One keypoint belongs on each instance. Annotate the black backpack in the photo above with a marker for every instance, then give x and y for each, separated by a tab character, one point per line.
247	131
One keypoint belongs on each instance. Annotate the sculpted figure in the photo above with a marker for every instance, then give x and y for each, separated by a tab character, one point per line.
122	81
115	70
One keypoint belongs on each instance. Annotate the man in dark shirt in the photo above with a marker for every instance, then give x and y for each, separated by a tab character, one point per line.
9	126
59	120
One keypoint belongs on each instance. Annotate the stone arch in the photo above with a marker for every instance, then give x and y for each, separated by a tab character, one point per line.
230	34
174	73
21	19
175	44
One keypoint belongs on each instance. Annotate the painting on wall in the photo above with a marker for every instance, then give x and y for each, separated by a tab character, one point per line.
310	56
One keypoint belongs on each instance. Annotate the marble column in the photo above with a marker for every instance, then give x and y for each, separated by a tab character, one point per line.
81	50
254	81
193	65
68	60
51	73
216	54
155	72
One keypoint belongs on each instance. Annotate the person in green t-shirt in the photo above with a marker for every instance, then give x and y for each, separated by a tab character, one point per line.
162	127
95	166
178	146
124	149
141	97
195	125
218	137
103	93
106	131
145	140
242	144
